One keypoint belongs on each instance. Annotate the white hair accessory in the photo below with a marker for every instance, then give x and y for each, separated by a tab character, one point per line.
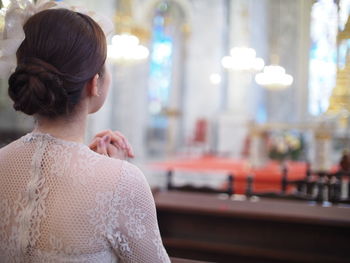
14	18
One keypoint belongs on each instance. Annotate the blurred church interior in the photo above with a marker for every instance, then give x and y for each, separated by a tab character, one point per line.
238	112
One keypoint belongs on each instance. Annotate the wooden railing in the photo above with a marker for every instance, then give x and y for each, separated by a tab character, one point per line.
205	227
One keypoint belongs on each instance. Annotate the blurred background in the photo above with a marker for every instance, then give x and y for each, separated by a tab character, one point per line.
250	79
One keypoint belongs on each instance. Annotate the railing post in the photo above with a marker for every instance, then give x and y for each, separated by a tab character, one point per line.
169	179
230	186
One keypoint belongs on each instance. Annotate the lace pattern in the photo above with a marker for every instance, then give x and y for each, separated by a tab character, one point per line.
161	253
61	202
29	209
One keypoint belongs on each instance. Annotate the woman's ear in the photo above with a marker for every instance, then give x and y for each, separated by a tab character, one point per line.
92	87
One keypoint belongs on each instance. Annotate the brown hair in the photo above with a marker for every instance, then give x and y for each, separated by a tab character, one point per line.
61	52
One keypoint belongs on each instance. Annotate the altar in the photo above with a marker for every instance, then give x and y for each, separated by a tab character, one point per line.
266	178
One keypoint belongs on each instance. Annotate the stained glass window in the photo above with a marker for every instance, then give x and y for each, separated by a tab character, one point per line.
344	45
323	55
165	90
160	70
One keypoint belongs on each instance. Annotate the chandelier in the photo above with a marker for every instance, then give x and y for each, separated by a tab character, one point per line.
242	59
126	44
274	77
126	47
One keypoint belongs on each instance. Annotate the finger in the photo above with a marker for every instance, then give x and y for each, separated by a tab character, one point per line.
99	135
122	137
126	152
111	149
130	151
101	147
103	133
93	144
116	139
106	139
115	152
118	147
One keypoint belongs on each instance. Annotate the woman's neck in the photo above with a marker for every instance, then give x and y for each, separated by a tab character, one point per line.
69	129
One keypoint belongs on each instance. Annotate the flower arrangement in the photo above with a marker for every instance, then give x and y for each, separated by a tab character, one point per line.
286	145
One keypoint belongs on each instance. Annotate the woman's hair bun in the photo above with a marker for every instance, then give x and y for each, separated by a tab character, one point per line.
61	52
36	87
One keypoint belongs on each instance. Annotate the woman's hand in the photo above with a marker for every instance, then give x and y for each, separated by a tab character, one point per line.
112	144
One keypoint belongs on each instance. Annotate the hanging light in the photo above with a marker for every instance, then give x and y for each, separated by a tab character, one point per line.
126	47
274	77
242	59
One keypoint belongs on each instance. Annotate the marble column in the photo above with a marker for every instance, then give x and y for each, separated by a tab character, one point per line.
202	99
247	28
289	29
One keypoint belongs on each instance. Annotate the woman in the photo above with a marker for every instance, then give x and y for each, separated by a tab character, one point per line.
59	200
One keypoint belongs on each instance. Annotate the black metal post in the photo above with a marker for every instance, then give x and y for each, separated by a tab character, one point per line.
169	179
320	186
230	186
284	182
249	189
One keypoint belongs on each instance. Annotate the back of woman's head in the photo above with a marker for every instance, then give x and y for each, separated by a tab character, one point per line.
61	52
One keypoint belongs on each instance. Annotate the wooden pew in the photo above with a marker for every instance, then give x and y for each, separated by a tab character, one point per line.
183	260
205	227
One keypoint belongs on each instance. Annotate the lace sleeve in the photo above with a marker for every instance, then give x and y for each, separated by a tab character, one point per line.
135	236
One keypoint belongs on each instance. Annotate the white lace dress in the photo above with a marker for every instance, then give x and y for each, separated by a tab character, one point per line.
62	202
